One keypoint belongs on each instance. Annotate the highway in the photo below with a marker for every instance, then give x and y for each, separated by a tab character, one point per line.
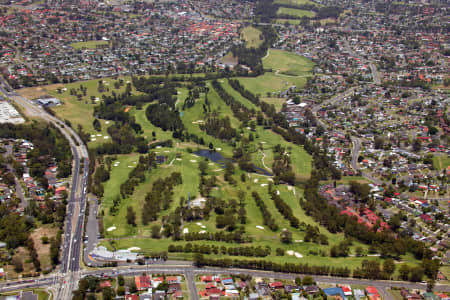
73	231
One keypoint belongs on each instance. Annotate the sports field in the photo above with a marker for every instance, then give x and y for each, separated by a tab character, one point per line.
294	2
298	13
287	63
89	44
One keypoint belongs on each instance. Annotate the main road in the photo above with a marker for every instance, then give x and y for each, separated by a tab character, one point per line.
191	271
73	231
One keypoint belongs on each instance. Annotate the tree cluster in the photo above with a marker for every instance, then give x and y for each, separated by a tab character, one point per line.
160	197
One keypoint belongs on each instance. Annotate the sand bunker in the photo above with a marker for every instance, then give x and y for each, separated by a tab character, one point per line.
292	253
111	228
259	227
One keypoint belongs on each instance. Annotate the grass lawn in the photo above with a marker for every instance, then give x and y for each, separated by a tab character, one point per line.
271	83
290	21
441	162
118	176
294	2
299	13
277	102
81	112
147	127
229	59
287	63
89	44
396	294
41	293
251	36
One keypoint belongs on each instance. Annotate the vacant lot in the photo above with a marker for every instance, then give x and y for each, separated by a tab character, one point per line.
252	37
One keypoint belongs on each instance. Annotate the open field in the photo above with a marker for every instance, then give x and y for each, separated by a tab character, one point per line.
229	59
79	112
298	13
290	21
251	36
441	162
294	2
287	63
89	44
42	249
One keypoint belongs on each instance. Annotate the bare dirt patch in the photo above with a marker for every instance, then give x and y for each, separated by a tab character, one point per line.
42	249
39	91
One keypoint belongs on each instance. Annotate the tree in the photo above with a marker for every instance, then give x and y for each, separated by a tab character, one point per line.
18	265
430	285
156	229
107	293
203	167
359	251
417	145
97	125
389	266
404	272
416	274
308	280
121	280
286	236
131	216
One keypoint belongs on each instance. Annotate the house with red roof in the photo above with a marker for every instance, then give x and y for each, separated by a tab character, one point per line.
104	284
276	285
372	292
142	282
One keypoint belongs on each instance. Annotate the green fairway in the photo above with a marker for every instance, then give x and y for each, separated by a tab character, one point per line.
89	44
186	164
251	36
297	13
271	82
147	127
287	63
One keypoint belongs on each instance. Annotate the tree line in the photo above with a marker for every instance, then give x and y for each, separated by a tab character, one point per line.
248	251
240	111
268	220
265	265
